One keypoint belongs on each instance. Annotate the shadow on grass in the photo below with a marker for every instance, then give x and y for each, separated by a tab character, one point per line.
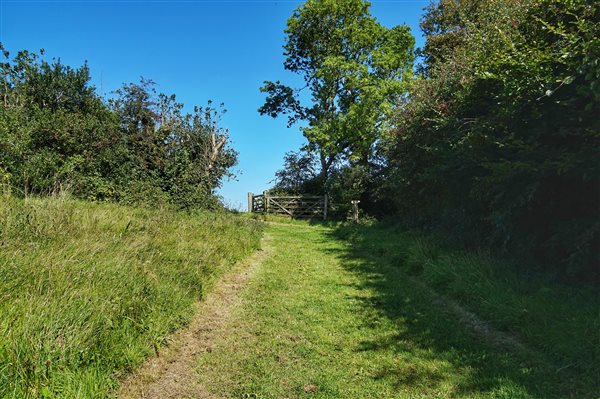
435	355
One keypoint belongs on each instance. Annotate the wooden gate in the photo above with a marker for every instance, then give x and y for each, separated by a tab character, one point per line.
296	207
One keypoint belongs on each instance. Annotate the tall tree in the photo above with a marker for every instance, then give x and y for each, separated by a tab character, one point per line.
298	174
199	148
354	69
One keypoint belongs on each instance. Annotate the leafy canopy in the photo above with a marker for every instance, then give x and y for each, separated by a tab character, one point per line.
354	69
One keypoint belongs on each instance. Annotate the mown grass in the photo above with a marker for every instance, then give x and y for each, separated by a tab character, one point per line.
352	313
282	219
559	324
88	291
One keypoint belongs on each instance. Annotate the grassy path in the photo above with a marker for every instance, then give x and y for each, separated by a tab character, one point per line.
318	321
172	373
321	314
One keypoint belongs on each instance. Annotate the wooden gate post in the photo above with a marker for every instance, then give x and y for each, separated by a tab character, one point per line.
250	205
266	201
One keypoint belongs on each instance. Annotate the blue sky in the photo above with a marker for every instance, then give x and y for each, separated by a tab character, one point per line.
199	50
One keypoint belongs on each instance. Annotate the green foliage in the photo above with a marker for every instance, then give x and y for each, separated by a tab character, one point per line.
354	68
299	174
88	291
57	134
498	142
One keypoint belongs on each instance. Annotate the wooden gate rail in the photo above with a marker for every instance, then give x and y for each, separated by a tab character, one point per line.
294	206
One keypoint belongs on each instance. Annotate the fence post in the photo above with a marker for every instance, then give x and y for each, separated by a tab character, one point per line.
325	207
266	201
250	200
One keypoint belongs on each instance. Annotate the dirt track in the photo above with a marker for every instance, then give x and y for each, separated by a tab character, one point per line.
172	374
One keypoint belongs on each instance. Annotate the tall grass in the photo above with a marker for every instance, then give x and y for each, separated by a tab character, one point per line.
87	291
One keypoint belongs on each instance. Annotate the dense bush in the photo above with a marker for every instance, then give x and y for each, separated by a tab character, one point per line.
57	134
498	140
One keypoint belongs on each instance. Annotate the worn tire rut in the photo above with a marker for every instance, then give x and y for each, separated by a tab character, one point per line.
172	373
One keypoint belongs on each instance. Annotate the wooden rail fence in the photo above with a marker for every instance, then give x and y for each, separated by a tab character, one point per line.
296	207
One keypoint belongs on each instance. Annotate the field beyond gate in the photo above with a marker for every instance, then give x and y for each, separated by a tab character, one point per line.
297	207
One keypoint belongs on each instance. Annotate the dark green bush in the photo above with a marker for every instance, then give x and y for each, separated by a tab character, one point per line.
57	134
498	141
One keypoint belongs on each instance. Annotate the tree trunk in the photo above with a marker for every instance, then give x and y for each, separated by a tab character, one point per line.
212	155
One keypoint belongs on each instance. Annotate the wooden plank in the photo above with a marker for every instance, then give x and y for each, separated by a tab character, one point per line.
294	206
296	197
282	208
266	201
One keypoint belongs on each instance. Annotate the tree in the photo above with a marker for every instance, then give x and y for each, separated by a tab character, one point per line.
55	131
199	156
298	174
446	26
137	105
354	69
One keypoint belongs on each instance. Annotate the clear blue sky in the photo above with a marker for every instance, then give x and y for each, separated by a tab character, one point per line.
199	50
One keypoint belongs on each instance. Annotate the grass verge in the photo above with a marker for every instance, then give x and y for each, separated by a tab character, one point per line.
87	291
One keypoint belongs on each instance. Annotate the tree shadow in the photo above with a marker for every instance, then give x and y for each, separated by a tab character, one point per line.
436	355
